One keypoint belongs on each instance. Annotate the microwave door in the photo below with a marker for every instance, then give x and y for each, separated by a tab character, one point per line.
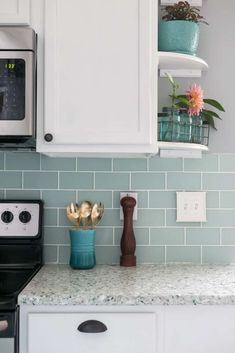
17	94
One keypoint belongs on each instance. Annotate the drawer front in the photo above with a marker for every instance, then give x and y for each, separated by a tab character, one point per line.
58	332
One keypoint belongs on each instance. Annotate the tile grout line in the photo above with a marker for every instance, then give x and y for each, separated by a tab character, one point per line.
94	181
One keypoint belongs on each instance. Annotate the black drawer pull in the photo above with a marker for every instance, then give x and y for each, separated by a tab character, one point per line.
92	326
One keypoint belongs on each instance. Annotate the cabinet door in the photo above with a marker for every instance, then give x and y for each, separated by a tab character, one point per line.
126	332
100	76
200	329
14	12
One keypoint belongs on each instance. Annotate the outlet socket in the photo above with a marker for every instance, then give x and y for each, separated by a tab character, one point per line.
132	194
191	207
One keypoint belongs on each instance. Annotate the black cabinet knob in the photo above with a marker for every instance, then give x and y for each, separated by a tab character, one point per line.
24	216
7	216
92	326
48	137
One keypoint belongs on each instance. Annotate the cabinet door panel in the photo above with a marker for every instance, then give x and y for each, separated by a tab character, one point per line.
58	333
98	66
15	12
200	329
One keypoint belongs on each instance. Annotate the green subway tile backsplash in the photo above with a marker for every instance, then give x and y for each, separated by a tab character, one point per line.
164	165
104	236
166	236
9	180
183	254
227	199
112	181
49	163
218	181
132	164
209	163
56	235
218	254
227	163
159	238
22	161
162	199
23	194
199	236
228	236
147	181
1	160
76	180
184	181
50	217
58	198
94	164
40	180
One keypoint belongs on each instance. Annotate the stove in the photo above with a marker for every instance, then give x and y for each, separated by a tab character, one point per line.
20	259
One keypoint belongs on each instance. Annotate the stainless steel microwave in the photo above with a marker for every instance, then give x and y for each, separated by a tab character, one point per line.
17	85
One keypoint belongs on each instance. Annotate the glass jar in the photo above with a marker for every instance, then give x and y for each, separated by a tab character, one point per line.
185	126
168	122
197	132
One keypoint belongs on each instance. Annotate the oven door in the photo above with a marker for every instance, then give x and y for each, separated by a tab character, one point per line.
8	332
17	94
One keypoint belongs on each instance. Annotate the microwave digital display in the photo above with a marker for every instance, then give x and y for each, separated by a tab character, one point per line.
12	89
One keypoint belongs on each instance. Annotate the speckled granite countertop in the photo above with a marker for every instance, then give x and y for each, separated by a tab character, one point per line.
143	285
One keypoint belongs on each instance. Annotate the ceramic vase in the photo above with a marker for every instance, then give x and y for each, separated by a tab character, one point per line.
82	255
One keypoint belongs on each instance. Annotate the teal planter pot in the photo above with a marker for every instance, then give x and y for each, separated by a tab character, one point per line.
178	36
82	254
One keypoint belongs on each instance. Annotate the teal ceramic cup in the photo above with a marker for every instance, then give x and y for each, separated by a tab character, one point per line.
178	36
82	255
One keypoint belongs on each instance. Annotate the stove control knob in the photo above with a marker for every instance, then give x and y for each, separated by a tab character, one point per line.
24	216
7	216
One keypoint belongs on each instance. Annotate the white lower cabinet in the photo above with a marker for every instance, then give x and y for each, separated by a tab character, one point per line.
58	332
130	329
200	329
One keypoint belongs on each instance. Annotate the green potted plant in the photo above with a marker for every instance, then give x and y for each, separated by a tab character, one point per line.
179	29
188	115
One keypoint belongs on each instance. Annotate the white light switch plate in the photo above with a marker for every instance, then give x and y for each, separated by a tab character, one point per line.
132	194
191	207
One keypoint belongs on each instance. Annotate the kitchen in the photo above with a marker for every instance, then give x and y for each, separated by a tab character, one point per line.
159	238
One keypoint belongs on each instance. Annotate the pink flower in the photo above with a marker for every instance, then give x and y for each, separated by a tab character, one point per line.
195	96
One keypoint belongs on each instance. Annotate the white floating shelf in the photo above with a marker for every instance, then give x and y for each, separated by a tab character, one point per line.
171	2
180	65
181	150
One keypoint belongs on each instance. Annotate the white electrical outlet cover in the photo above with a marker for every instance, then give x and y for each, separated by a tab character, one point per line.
191	207
132	194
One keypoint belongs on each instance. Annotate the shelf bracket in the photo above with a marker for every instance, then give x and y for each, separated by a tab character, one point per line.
168	153
181	73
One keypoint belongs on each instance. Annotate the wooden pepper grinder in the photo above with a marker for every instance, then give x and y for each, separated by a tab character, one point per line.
128	243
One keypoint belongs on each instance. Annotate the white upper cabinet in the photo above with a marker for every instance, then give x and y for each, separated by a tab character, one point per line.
14	12
100	77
